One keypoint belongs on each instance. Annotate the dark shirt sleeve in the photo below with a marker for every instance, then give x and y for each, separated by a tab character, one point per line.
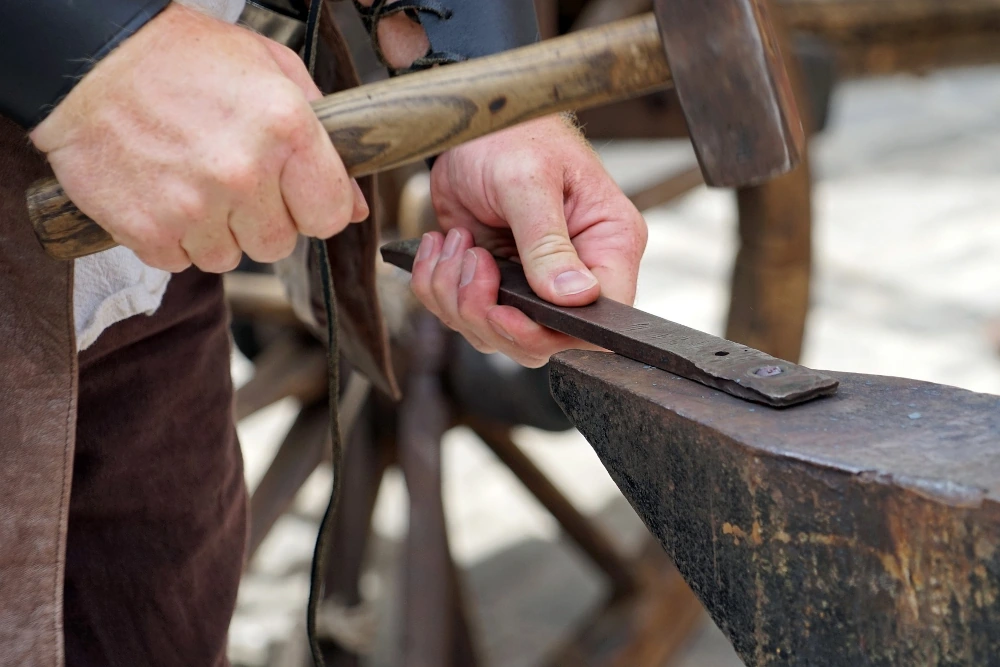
474	28
458	29
46	46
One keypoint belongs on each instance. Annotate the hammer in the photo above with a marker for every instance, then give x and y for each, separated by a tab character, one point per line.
720	55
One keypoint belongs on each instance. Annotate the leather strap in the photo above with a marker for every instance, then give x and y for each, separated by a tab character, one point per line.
321	255
484	27
274	25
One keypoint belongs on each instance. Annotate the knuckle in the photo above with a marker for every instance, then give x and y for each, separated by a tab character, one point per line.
639	232
274	243
283	54
420	286
191	204
286	115
334	219
441	287
218	259
162	258
521	170
548	245
237	172
150	237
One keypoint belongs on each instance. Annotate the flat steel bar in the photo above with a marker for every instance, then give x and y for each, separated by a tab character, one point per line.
715	362
859	530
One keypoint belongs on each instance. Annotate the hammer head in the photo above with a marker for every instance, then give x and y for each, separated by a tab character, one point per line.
733	87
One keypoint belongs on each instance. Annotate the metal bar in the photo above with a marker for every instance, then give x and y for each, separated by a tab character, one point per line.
736	369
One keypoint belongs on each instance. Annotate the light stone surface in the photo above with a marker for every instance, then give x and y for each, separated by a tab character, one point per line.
907	283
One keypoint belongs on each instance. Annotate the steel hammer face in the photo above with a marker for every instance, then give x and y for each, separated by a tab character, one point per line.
733	87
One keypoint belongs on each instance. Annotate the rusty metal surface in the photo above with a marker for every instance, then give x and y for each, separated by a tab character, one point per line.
735	369
863	529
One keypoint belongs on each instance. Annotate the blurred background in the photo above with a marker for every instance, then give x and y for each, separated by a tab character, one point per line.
881	255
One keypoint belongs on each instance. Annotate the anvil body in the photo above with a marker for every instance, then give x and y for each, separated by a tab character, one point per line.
860	529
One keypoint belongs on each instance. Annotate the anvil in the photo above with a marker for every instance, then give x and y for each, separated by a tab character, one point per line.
862	529
859	529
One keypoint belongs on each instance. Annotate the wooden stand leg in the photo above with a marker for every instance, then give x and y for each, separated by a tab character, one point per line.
594	544
431	602
771	276
367	464
300	452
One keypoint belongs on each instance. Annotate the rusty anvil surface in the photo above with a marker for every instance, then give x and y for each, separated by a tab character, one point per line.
860	529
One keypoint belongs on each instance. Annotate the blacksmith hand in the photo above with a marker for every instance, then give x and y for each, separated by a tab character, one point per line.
539	194
194	141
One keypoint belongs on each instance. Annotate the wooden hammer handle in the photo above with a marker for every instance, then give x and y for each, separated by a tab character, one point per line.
387	124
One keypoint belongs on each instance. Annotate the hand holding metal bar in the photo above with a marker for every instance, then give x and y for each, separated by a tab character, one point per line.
715	362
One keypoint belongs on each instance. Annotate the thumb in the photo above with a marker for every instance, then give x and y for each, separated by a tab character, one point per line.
536	216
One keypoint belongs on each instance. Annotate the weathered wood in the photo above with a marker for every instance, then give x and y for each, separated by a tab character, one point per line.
594	544
428	574
304	447
769	296
293	366
301	451
904	18
732	83
875	37
366	463
258	295
667	190
862	529
402	120
648	629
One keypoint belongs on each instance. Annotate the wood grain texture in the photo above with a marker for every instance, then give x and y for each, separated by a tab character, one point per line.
733	87
878	37
391	123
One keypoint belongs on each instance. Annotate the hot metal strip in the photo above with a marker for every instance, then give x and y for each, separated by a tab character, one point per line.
715	362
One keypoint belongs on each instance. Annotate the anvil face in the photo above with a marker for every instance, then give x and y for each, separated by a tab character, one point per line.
863	529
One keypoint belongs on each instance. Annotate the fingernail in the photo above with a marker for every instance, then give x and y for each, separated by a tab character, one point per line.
468	268
425	249
500	330
573	282
451	244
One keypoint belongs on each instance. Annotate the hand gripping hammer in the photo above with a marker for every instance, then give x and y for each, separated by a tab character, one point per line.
720	55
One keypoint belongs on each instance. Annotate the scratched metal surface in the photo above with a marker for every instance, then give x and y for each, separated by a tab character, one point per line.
863	529
715	362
